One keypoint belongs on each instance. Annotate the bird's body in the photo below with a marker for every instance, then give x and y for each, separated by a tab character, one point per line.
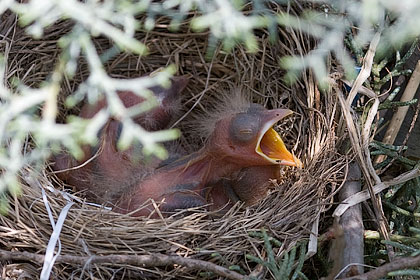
185	183
241	153
235	144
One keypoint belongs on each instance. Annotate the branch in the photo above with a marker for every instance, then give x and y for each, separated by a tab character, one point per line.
139	260
347	247
382	271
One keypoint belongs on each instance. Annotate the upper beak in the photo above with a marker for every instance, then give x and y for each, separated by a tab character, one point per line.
270	145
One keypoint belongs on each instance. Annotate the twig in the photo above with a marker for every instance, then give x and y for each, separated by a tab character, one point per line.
390	105
394	155
362	89
139	260
413	122
384	165
382	271
401	211
398	118
393	148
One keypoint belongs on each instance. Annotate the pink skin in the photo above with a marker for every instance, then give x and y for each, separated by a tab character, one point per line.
113	177
187	182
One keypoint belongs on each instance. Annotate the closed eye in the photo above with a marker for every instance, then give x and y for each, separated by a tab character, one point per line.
244	128
245	131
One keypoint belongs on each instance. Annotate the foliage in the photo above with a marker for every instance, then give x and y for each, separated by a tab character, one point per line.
30	113
401	206
289	266
354	22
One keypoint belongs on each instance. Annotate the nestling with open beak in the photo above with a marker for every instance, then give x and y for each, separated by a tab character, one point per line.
237	138
106	172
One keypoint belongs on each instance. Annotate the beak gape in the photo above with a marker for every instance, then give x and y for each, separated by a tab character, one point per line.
270	145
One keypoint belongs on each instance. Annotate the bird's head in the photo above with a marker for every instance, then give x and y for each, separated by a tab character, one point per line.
248	138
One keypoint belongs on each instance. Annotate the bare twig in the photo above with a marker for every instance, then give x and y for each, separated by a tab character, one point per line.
397	156
382	271
413	122
348	247
139	260
362	89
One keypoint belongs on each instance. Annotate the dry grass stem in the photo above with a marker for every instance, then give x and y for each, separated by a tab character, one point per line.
364	195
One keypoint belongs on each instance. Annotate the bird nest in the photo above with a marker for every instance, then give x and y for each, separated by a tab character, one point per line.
98	243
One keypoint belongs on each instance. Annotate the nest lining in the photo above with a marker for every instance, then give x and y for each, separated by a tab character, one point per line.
288	212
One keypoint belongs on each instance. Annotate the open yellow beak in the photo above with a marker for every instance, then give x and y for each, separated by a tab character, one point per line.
272	148
270	145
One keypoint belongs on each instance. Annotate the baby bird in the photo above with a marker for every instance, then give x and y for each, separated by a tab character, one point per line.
105	171
239	136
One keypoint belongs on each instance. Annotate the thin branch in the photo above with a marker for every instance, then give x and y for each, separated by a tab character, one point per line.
382	271
362	89
139	260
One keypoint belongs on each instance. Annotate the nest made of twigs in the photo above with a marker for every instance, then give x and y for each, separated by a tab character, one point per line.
288	212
